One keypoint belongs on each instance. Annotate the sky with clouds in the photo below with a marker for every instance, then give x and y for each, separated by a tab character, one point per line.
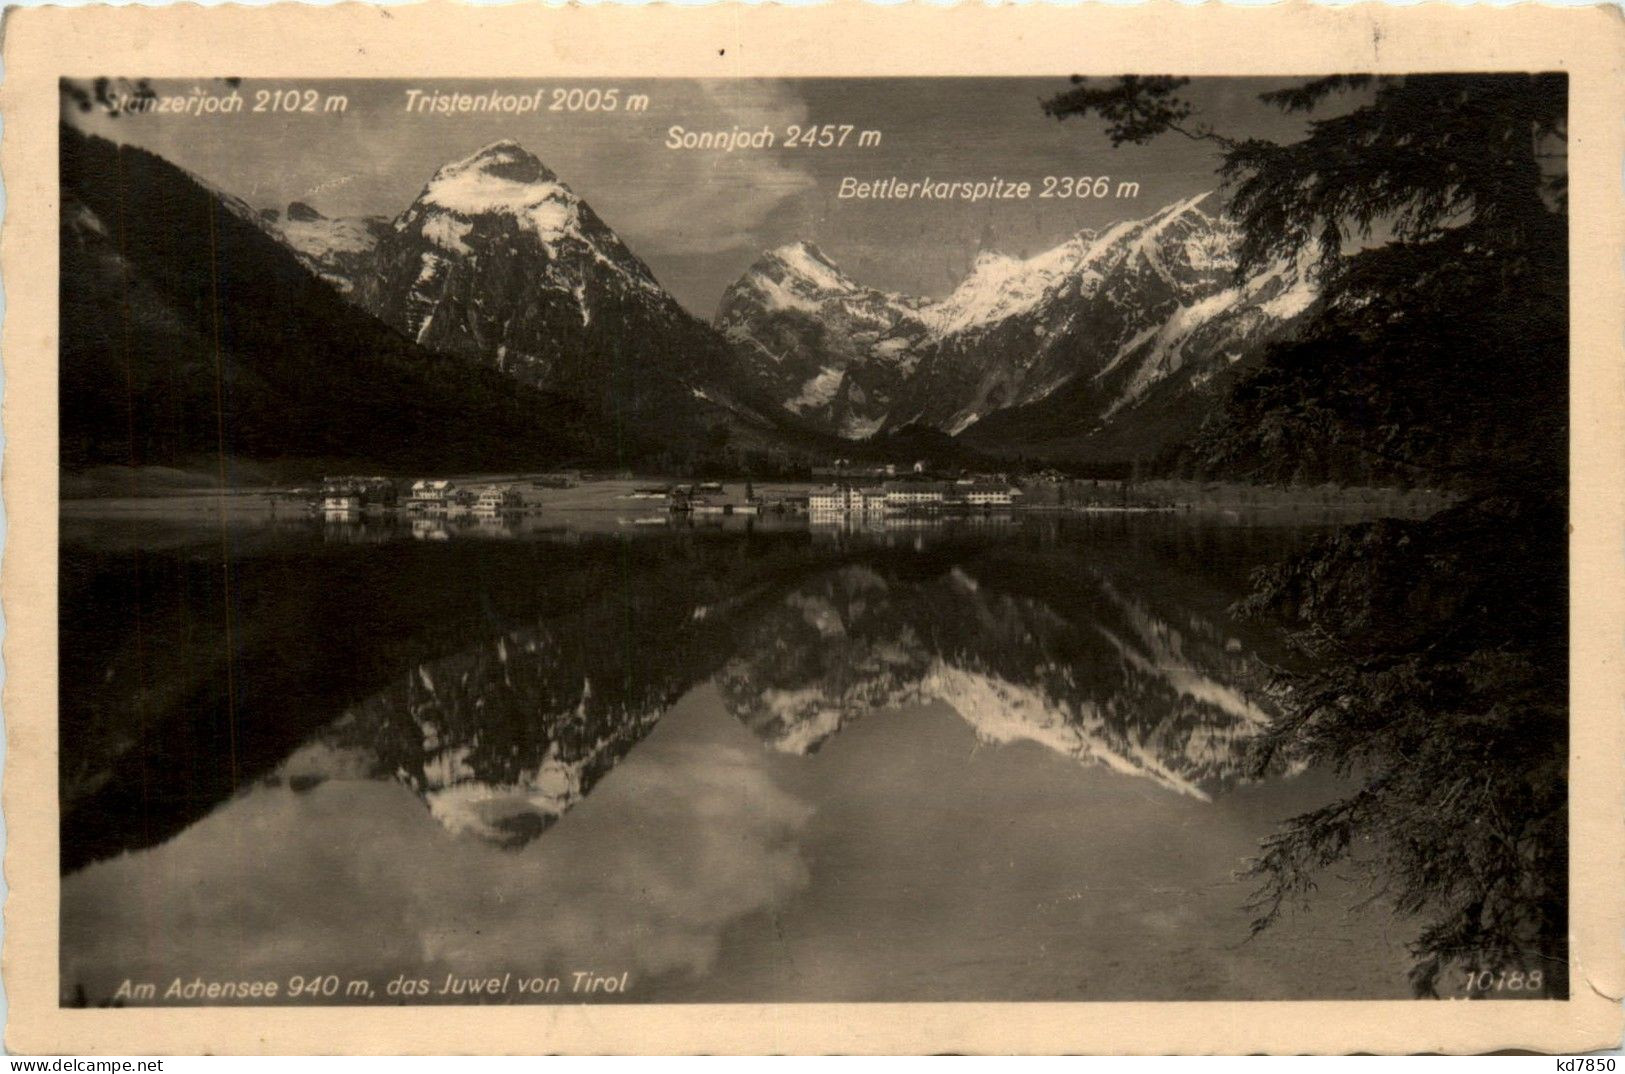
701	217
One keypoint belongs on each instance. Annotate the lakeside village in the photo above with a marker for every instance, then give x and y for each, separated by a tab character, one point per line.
840	493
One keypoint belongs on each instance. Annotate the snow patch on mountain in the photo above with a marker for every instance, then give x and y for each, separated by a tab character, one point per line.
322	238
1293	300
1185	335
1002	713
856	428
1167	349
780	296
448	233
466	806
1151	239
895	348
1125	309
1134	343
84	220
1000	286
502	177
817	391
505	180
809	263
338	250
806	715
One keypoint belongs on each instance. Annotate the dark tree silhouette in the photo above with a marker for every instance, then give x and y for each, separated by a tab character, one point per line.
1433	211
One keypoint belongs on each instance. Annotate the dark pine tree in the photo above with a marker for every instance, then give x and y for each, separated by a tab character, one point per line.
1434	209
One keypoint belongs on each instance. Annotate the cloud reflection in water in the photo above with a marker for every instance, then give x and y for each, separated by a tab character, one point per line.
687	838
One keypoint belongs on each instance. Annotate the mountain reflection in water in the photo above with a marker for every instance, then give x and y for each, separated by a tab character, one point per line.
501	682
502	738
1024	647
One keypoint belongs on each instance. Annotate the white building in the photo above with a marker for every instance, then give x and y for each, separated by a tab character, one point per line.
825	501
430	495
835	500
342	505
841	501
986	495
498	500
913	495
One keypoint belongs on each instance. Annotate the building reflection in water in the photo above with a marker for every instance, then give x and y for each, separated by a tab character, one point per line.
411	709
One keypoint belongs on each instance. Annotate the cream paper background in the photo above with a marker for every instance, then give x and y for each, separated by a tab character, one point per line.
844	38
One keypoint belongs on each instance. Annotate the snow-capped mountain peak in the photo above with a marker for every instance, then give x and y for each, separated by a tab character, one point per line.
796	276
503	178
831	348
1107	315
504	159
806	261
501	204
499	261
1000	286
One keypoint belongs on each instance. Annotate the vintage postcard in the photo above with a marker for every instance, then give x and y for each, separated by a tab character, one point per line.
828	530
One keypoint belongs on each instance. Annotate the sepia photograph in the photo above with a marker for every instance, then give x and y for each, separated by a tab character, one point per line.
664	540
596	531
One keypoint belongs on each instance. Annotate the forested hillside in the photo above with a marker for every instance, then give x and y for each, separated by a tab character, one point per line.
188	333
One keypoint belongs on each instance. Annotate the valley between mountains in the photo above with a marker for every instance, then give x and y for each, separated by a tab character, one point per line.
515	311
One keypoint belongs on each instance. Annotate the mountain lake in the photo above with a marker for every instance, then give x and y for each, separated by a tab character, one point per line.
577	760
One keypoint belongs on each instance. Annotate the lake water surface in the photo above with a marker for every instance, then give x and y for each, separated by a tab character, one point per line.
982	761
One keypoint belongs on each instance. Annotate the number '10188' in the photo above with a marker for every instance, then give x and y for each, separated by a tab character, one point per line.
1504	981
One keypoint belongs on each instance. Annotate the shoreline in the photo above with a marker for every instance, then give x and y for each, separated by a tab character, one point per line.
246	505
149	489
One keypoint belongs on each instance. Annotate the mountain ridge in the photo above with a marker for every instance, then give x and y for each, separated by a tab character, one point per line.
187	331
1102	319
500	262
1111	345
